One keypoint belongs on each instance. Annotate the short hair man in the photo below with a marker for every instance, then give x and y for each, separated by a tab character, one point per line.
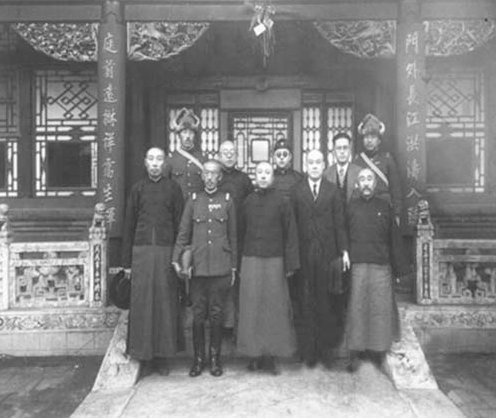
184	165
323	247
208	227
151	223
376	255
284	174
380	162
343	173
239	185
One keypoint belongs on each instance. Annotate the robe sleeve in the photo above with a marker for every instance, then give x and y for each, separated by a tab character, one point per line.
394	185
232	233
185	232
129	227
290	239
178	208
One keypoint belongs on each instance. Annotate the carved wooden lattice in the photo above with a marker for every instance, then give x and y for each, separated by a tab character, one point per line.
9	131
321	121
254	135
455	131
66	126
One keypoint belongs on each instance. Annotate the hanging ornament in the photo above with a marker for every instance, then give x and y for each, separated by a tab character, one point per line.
262	26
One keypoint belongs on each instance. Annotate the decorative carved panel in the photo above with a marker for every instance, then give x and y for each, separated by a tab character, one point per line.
454	37
47	275
78	41
160	40
362	38
377	38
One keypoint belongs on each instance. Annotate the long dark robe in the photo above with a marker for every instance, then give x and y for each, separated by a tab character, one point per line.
270	248
152	219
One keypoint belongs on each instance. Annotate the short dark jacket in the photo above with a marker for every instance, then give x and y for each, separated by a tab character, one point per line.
268	228
385	162
320	222
208	224
184	172
374	236
152	215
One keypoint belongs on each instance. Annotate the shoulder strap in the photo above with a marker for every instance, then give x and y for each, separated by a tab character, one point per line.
374	168
190	157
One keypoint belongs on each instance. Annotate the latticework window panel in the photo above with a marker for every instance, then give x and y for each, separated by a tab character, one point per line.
9	131
255	134
320	122
455	132
66	133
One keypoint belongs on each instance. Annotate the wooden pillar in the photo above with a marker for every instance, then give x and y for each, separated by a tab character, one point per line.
111	100
411	106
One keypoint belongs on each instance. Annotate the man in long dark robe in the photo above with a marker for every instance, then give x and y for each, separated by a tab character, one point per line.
323	254
151	224
377	258
239	185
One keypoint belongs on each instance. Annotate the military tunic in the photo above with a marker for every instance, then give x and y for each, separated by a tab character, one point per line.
385	162
186	173
150	228
285	179
208	224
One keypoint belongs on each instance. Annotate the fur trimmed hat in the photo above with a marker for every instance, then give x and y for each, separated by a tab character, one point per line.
185	119
371	125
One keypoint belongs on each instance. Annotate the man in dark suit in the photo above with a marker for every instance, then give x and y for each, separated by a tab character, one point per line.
323	255
343	173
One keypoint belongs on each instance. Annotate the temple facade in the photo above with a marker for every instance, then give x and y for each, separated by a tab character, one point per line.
87	86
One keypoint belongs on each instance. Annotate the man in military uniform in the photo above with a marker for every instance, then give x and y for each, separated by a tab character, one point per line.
239	185
381	163
208	227
284	175
184	165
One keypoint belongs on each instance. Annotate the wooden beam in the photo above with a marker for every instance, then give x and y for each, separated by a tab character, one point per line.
50	13
458	9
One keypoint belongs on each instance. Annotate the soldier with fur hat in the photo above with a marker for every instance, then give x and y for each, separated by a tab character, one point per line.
380	162
185	164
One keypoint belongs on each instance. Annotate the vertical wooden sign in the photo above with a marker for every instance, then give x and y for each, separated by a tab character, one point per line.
111	100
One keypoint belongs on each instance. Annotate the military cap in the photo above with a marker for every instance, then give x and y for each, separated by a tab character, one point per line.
371	125
185	119
282	144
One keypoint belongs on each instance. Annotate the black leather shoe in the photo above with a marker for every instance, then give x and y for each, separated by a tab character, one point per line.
311	362
254	364
161	366
146	368
353	364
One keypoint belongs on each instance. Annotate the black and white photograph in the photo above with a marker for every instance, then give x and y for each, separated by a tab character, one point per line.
247	208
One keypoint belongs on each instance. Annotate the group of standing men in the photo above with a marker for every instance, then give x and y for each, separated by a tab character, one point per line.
261	258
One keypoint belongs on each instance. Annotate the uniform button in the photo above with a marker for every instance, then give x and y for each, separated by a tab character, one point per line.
209	220
209	242
209	231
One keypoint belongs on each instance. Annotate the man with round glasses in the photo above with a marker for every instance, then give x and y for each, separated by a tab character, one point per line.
285	177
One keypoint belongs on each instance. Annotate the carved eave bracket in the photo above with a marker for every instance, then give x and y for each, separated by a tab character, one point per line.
77	42
377	39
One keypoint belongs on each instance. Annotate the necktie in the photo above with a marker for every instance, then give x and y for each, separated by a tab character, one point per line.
314	191
341	176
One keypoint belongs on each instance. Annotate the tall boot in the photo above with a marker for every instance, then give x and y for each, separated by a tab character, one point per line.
215	347
199	349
